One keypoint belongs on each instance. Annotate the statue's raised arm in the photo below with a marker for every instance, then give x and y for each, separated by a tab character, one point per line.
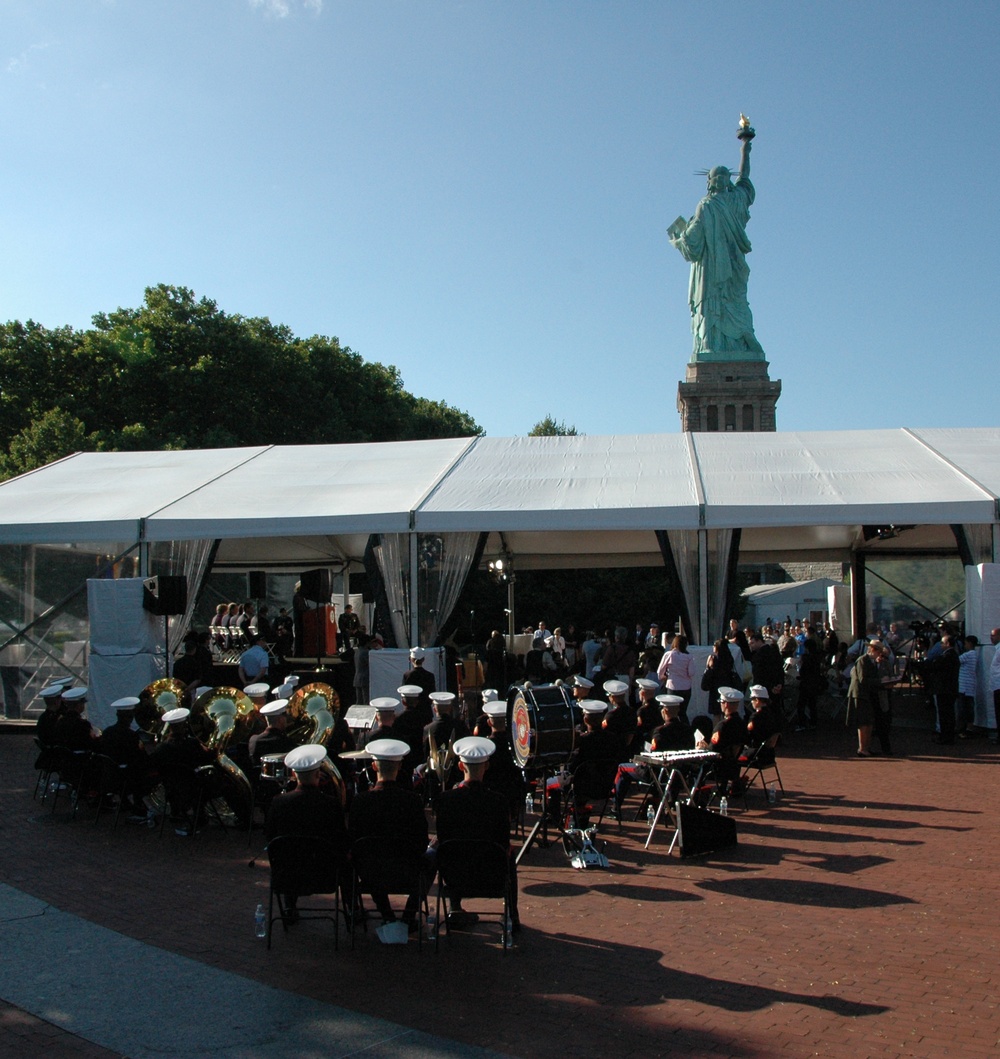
715	242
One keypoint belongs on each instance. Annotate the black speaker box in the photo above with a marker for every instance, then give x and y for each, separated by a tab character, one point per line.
702	831
317	585
165	594
257	584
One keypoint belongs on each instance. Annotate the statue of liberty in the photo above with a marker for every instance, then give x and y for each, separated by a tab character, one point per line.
715	242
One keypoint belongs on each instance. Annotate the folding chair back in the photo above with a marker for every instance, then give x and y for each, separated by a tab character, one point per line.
304	865
474	869
380	865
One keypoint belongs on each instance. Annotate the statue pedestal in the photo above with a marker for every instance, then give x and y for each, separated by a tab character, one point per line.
727	396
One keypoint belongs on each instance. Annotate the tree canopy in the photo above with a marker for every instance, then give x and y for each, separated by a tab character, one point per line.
550	428
180	373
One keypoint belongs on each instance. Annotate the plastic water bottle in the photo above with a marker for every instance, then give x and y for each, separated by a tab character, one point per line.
772	794
650	814
260	922
432	926
724	806
529	803
508	933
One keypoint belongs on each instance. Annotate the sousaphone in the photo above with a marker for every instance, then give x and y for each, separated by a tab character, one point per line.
312	710
165	693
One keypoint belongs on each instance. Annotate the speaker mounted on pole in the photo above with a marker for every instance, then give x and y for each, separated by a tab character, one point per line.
165	594
317	586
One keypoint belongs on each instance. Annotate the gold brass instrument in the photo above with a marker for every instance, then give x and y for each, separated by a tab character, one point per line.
224	706
314	708
166	693
312	712
441	760
163	695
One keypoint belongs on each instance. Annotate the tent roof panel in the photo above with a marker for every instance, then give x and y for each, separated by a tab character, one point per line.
831	477
312	489
626	481
94	496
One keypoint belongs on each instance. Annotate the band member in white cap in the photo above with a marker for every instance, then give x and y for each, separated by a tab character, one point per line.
581	687
648	714
482	725
305	810
418	675
175	757
674	733
409	726
620	720
386	711
764	721
73	730
473	811
446	726
728	739
121	742
503	775
391	810
45	728
274	739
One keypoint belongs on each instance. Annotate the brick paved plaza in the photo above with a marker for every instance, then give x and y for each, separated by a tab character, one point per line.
851	920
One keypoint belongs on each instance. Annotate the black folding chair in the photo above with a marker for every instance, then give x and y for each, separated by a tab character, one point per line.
762	760
304	866
381	867
473	869
592	781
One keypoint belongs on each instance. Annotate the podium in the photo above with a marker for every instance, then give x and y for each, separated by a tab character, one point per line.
319	632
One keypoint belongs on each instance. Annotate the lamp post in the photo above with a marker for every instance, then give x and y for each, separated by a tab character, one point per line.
502	569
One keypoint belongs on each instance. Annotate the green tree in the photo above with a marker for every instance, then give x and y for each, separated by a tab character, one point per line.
549	428
178	372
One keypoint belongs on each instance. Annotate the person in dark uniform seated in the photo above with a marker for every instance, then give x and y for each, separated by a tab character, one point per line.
764	721
45	727
439	735
72	729
409	726
482	726
473	811
675	733
621	718
47	724
503	775
305	810
728	739
274	739
121	742
648	714
391	810
176	757
599	745
419	676
386	712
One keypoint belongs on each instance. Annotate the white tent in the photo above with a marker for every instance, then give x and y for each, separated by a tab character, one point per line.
557	501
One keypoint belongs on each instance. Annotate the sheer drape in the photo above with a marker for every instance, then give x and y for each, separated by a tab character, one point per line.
191	559
443	563
705	563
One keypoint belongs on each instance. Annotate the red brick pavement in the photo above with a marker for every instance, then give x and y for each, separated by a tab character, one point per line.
852	920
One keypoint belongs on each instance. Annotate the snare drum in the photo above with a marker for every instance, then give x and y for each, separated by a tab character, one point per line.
272	767
542	722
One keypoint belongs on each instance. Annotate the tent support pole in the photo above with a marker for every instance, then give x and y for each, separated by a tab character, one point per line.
859	602
702	586
414	630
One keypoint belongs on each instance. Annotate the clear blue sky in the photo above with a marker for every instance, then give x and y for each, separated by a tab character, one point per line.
478	192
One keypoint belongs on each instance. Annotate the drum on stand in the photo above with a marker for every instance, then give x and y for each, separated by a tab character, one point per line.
542	722
272	767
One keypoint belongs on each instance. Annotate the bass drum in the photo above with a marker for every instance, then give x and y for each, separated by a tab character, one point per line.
542	722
